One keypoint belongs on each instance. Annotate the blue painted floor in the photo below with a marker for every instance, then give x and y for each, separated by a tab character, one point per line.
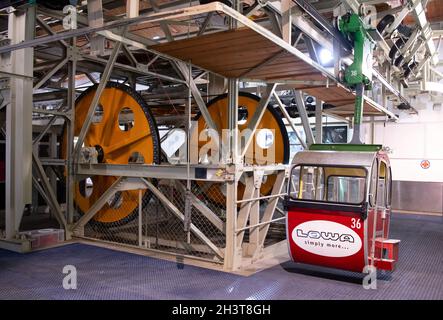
107	274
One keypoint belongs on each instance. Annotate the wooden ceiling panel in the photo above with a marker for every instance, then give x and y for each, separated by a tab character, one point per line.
243	53
239	53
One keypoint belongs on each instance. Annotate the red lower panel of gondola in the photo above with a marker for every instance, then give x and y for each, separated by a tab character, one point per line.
329	239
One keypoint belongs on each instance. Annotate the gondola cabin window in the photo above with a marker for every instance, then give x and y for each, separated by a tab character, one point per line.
346	189
345	185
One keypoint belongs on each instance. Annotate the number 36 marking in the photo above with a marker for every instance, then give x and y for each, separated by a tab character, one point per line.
356	224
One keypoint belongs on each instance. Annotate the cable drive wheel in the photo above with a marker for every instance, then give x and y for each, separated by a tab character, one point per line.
123	131
271	137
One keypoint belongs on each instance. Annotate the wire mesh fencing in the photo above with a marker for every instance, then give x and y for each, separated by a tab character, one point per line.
167	223
176	219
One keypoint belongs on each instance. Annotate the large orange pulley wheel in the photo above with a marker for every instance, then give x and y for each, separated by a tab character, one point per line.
271	136
123	131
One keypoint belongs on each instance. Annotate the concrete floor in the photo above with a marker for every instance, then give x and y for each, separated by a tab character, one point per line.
108	274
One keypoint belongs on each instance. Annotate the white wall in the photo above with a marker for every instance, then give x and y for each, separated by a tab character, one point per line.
412	140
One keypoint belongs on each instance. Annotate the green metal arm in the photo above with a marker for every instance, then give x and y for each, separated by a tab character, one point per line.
359	74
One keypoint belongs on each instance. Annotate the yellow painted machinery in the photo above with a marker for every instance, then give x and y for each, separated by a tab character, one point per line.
274	138
123	131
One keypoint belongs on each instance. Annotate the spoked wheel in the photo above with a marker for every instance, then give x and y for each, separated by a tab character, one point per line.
123	131
409	68
271	136
385	23
394	54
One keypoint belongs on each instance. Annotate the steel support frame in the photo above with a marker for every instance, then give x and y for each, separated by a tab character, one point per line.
48	29
163	24
139	69
289	119
183	69
215	173
248	208
321	20
205	23
95	19
48	189
257	117
300	102
267	218
235	16
232	253
160	16
186	12
120	184
318	121
48	75
231	261
286	23
203	209
19	122
95	101
132	8
234	160
70	127
172	208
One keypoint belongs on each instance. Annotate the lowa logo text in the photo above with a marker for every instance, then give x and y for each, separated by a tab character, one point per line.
326	238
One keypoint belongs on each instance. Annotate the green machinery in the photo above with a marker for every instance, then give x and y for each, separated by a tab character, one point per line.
348	147
358	75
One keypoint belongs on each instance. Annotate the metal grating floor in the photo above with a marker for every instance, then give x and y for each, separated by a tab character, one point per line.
108	274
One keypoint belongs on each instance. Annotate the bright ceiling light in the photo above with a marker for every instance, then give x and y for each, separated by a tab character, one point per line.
325	56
